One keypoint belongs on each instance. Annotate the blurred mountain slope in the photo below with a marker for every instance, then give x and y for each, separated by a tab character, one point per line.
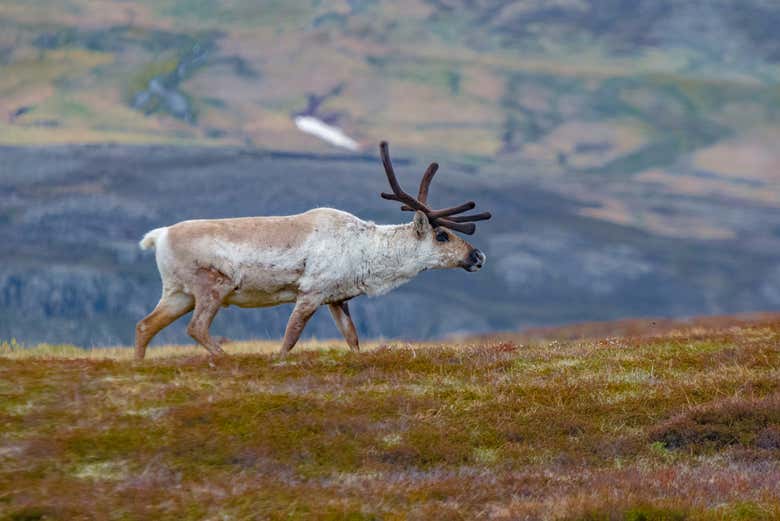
667	95
72	272
627	149
469	77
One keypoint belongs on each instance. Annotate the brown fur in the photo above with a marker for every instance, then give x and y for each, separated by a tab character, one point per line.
170	307
259	232
210	291
343	320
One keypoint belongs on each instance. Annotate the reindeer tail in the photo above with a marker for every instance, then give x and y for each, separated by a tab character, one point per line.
150	239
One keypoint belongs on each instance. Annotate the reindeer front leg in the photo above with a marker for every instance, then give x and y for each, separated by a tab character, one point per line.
341	316
305	307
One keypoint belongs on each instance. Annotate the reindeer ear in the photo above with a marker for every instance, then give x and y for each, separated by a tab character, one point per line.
421	224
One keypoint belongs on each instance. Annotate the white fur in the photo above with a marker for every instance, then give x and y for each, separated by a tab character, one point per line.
342	257
150	239
363	258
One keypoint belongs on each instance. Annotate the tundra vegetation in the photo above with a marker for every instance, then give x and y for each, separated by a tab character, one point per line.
665	421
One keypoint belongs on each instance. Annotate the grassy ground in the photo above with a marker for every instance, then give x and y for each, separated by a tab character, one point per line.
673	422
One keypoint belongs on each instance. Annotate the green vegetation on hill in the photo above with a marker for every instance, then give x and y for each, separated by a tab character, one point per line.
680	423
605	101
469	78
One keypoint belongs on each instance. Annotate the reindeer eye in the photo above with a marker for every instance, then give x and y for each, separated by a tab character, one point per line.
442	237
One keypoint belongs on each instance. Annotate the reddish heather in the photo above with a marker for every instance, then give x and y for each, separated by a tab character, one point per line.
673	421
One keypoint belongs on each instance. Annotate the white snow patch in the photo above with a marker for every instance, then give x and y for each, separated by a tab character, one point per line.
333	135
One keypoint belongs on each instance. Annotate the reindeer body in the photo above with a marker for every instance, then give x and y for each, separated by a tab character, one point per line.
273	260
320	257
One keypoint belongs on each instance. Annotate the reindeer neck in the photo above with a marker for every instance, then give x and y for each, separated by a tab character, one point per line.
394	257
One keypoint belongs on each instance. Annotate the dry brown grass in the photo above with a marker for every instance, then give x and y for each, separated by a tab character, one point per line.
254	347
682	423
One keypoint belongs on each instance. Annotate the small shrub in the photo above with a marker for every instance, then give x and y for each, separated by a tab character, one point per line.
721	424
746	511
505	347
31	514
769	438
635	513
649	513
659	449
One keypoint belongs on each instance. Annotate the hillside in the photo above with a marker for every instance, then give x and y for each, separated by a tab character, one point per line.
681	424
476	78
626	149
605	101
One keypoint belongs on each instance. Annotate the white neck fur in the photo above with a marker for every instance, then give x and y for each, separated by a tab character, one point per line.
391	255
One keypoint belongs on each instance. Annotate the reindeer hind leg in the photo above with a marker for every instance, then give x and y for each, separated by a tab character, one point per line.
211	289
172	305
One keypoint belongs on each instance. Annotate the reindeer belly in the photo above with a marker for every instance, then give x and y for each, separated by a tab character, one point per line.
266	284
249	298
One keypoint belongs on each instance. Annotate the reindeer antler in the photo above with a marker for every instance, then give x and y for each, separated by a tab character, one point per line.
445	217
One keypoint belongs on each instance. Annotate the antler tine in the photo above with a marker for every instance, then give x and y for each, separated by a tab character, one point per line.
425	182
398	193
484	216
465	207
467	228
446	212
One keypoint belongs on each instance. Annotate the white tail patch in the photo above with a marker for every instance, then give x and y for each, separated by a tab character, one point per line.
150	239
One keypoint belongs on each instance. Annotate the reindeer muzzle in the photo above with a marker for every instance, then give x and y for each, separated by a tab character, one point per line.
474	261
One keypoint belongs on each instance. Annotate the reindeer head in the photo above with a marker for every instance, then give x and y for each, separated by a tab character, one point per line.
434	227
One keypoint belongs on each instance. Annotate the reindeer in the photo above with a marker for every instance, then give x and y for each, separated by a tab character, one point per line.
323	256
